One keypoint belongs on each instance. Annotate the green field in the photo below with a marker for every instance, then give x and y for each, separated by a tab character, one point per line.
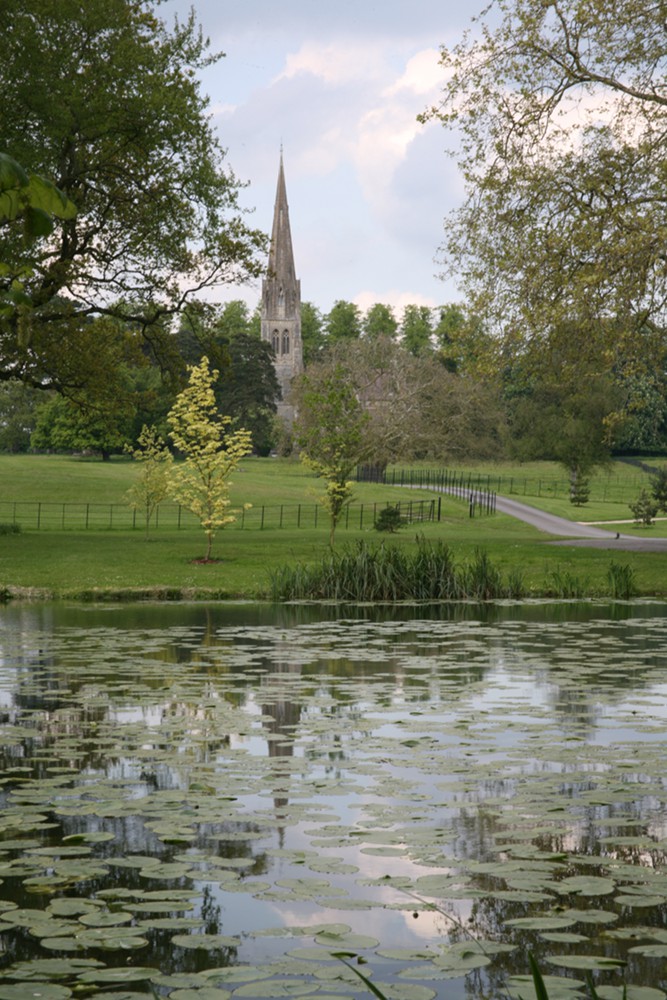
120	562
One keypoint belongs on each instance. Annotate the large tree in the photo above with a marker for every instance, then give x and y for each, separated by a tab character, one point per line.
561	111
102	97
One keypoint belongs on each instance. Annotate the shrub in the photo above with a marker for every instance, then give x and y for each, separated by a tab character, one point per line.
389	519
644	508
10	529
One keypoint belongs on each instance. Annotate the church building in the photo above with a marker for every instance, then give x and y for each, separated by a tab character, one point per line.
281	301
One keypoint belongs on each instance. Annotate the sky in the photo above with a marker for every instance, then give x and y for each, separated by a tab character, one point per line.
339	85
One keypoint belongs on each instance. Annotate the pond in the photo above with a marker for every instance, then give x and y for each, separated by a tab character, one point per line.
211	801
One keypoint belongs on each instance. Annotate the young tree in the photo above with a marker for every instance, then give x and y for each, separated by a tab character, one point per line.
312	335
561	108
330	431
104	98
153	482
380	321
211	451
416	329
343	322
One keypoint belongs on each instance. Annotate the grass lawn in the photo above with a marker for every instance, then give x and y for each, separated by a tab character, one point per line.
123	563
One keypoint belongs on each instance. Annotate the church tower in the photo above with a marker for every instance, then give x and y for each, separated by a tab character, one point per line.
281	300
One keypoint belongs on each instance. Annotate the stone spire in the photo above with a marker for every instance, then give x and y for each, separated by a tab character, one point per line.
281	300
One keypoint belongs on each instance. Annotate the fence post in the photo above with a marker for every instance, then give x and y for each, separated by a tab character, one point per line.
315	515
261	523
281	516
298	516
439	508
39	515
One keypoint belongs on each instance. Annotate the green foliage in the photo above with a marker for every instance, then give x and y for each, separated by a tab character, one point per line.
380	321
416	329
212	452
112	111
560	111
387	573
153	482
644	508
621	581
17	415
343	322
10	529
389	519
659	488
580	490
330	431
564	584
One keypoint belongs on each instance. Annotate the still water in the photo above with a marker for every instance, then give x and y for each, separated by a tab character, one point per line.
213	801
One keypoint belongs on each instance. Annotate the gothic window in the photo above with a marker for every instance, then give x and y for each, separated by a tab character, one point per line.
275	341
285	347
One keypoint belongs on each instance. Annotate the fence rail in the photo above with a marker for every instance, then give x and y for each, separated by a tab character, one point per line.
602	488
51	516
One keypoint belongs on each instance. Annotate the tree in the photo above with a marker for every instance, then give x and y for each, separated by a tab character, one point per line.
464	345
62	425
312	335
414	407
561	109
343	322
330	431
380	321
153	482
211	451
17	416
416	329
104	98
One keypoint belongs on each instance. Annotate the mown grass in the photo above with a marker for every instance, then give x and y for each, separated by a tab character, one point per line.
123	563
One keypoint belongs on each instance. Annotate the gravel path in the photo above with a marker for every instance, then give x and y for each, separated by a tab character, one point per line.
578	534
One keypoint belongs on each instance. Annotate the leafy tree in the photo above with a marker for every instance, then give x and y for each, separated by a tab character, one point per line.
153	482
414	407
312	331
248	389
211	451
380	321
561	109
62	425
416	329
17	416
330	431
644	508
464	345
659	488
104	98
343	322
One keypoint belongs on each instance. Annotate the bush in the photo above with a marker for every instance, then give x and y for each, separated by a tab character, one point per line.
389	519
644	508
10	529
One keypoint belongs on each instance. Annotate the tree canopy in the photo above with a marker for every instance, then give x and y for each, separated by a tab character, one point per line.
561	111
102	98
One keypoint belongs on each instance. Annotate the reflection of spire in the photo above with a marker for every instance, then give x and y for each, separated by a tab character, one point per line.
281	717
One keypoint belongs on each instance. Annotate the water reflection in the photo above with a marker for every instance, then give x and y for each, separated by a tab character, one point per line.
295	766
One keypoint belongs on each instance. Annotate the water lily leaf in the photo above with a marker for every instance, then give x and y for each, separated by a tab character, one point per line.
121	974
563	937
346	941
650	950
557	987
202	993
40	991
591	962
543	923
205	942
587	885
105	918
277	988
629	993
405	991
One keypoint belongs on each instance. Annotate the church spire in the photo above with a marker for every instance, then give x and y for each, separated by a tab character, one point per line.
281	299
281	255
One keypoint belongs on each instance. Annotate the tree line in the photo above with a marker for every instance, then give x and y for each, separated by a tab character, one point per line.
118	210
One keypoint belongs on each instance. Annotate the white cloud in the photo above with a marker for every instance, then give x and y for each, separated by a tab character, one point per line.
423	74
336	64
398	299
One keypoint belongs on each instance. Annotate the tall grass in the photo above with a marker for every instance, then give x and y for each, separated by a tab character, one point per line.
367	572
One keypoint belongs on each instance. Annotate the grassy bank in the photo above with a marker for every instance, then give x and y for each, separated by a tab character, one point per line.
120	564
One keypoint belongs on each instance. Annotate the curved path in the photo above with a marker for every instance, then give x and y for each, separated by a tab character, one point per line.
576	533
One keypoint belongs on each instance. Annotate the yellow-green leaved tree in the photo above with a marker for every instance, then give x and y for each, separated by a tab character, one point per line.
211	452
152	484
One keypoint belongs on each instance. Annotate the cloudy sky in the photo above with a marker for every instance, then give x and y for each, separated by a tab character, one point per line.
339	83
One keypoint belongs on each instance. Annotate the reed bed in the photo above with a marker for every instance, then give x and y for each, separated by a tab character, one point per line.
382	572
